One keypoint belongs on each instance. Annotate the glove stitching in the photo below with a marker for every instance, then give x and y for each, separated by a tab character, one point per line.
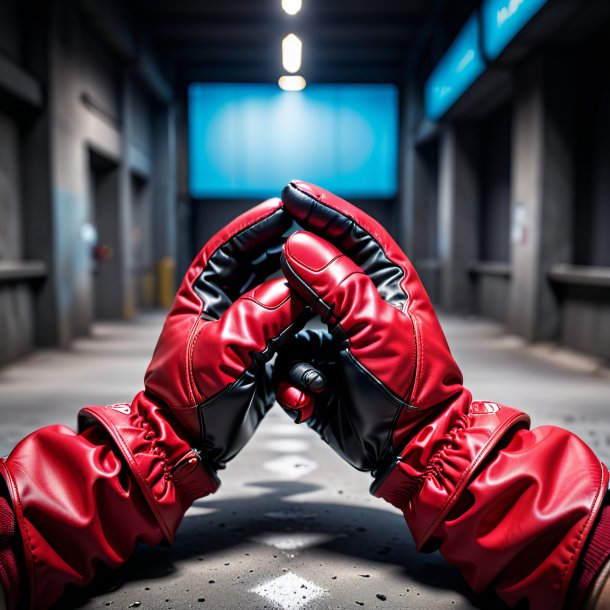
579	539
338	330
419	357
191	374
21	521
206	255
263	305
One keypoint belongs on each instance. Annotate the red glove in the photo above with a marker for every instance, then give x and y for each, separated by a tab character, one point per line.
134	469
511	508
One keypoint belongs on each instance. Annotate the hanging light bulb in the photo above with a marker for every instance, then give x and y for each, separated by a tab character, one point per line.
292	83
292	7
291	53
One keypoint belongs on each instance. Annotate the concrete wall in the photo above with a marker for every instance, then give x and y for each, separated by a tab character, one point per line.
11	246
78	163
16	299
584	302
522	192
417	210
16	308
585	319
491	291
11	33
495	176
458	202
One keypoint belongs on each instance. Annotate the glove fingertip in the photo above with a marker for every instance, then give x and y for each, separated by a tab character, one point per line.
298	404
307	377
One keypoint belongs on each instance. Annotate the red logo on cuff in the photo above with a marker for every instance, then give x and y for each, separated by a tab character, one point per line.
123	408
484	408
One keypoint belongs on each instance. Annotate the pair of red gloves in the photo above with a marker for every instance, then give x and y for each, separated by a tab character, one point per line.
512	508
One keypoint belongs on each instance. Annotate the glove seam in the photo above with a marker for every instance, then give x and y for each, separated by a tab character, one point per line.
419	357
395	398
192	384
581	538
28	555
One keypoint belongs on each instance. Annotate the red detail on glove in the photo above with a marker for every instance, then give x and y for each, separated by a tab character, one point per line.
594	556
10	566
525	517
81	499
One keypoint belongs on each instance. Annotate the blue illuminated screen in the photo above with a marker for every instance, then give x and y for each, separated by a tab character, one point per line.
461	65
249	140
502	19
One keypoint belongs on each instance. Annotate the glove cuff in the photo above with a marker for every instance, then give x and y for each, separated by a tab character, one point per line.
86	499
595	556
11	562
428	477
170	474
500	502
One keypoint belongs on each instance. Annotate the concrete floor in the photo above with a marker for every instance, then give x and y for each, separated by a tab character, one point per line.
293	526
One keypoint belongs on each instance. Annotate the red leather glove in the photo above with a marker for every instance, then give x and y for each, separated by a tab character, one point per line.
511	508
134	469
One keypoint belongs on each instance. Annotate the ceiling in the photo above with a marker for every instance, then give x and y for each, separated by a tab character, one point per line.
343	40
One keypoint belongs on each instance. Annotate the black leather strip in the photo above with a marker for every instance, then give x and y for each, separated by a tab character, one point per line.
344	233
228	419
242	262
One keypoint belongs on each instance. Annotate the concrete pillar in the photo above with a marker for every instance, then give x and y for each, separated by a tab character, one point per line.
164	202
412	177
164	175
125	281
188	244
39	235
542	187
458	201
68	170
417	209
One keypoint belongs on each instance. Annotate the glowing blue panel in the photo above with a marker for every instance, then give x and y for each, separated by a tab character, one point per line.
502	19
461	65
249	140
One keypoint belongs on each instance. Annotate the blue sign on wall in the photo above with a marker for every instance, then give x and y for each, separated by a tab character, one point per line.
502	19
461	65
249	140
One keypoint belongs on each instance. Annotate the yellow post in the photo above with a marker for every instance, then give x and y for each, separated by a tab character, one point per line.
166	271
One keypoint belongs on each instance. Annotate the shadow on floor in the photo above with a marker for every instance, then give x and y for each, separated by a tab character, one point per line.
357	532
